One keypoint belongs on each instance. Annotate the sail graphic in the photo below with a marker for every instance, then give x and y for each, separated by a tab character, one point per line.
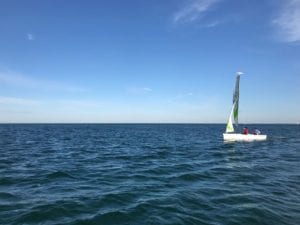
229	127
236	99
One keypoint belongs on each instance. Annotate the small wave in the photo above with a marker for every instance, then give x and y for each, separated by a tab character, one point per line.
114	217
279	137
194	176
60	174
56	211
119	199
6	181
7	196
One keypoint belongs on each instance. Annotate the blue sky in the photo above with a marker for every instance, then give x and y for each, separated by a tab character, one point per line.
149	61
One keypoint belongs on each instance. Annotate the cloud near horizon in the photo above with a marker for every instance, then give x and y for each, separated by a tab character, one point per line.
14	79
288	21
8	100
57	102
193	11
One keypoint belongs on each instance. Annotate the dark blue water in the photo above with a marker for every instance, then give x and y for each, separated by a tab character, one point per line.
147	174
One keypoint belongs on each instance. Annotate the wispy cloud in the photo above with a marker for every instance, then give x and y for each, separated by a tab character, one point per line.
138	90
30	37
213	24
147	89
76	104
8	100
19	110
14	79
181	98
193	11
183	95
54	104
288	21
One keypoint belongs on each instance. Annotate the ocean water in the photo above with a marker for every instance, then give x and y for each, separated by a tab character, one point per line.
147	174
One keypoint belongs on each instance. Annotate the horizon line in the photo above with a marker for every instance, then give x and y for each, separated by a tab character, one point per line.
140	123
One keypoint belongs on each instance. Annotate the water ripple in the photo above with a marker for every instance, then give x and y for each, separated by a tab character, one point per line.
147	174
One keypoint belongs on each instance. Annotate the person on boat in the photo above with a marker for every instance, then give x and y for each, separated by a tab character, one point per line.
245	130
256	131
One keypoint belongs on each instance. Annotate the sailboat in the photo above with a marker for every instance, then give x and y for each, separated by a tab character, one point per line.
229	134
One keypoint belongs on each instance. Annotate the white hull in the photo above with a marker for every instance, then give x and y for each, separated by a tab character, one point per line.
243	137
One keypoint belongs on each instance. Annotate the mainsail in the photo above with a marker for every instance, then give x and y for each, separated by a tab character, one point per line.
235	107
235	100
